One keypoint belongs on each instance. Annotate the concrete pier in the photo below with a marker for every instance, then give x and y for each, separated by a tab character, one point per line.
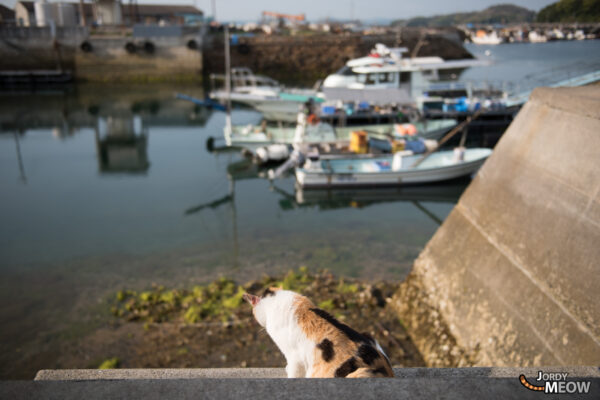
410	383
512	276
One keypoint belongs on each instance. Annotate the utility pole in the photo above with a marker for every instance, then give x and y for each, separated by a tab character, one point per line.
82	20
214	9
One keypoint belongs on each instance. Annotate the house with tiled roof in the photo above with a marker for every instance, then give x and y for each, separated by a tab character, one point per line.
7	16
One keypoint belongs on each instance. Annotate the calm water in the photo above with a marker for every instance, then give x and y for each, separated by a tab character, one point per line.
106	188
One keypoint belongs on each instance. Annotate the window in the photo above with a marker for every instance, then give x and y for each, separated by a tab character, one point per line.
371	79
346	71
386	77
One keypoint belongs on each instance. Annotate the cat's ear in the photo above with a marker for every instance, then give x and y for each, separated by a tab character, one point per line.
250	298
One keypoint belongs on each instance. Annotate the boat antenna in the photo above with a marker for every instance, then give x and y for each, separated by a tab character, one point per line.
228	127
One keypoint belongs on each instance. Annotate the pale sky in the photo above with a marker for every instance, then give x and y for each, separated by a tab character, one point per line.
250	10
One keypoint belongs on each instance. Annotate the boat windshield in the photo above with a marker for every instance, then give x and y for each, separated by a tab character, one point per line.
346	71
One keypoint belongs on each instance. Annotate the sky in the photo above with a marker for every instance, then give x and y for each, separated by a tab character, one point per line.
250	10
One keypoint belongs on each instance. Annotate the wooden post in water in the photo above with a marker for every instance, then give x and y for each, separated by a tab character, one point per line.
228	127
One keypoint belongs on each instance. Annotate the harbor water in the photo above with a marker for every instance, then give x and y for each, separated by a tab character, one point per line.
112	187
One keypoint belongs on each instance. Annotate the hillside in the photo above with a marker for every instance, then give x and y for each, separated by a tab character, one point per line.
498	14
571	11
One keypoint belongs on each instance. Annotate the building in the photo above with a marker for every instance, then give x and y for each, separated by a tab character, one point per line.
7	16
114	12
24	13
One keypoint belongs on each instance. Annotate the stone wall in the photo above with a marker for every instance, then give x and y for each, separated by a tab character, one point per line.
308	58
512	276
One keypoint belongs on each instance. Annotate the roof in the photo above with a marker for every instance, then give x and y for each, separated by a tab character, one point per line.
27	4
6	14
156	9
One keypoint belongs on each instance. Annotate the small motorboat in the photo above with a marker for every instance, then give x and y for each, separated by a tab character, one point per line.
399	168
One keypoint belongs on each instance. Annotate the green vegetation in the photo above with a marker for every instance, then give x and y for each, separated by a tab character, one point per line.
571	11
498	14
110	363
221	301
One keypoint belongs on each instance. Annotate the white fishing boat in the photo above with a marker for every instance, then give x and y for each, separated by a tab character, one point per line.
396	169
483	37
251	90
385	76
252	137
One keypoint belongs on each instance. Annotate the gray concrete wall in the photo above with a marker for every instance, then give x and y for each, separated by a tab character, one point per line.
512	277
40	49
109	61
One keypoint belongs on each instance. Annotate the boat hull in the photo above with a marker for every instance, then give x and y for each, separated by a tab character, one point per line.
322	179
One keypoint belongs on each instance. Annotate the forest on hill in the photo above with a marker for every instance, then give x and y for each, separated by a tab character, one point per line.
571	11
498	14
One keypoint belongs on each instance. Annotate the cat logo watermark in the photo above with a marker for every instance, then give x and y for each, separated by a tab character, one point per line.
555	382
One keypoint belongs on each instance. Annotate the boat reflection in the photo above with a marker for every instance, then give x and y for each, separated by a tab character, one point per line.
336	199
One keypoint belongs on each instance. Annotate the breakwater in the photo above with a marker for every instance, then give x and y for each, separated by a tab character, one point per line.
156	54
104	57
510	278
308	58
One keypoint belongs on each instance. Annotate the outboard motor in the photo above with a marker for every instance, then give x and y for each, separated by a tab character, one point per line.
296	159
273	152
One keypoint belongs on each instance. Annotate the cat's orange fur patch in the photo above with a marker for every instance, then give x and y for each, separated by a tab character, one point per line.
317	329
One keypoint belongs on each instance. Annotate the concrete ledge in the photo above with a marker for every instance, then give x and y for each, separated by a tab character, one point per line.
442	383
271	373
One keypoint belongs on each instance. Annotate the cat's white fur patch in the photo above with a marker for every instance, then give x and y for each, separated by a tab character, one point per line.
277	314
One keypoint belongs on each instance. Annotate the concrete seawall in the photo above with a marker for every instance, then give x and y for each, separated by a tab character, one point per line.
512	276
171	60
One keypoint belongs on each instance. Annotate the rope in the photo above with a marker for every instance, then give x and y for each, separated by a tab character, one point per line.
450	134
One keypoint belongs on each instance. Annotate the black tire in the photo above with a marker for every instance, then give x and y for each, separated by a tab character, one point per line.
86	47
192	44
210	144
149	47
243	48
130	47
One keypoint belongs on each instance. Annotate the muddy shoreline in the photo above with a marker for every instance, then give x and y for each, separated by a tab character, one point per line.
154	329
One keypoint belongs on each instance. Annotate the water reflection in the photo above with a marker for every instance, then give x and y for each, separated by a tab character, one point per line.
66	114
122	144
333	199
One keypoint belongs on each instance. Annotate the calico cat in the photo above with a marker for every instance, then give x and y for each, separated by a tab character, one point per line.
315	344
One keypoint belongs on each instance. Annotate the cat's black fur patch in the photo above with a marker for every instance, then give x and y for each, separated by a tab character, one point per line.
380	370
369	337
346	330
367	353
268	292
327	351
348	367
